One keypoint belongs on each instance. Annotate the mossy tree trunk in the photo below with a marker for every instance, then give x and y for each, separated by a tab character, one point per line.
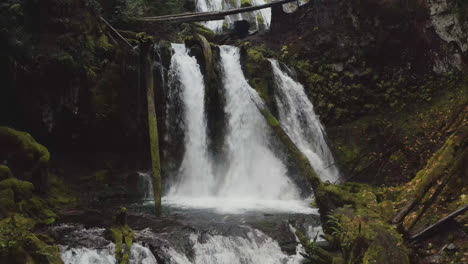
152	130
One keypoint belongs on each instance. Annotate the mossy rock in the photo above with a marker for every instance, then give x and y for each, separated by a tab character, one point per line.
42	252
7	202
22	189
38	209
246	3
5	173
17	141
26	158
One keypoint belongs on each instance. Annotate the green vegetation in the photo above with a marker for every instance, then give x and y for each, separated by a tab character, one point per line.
246	3
123	236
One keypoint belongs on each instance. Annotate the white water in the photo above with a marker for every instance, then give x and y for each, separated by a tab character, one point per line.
147	184
211	5
252	178
253	170
299	120
217	249
195	173
217	5
138	255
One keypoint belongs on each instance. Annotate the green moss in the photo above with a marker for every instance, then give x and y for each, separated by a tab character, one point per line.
102	176
7	202
5	172
22	189
246	3
13	139
106	94
123	238
103	44
260	19
42	252
37	208
60	194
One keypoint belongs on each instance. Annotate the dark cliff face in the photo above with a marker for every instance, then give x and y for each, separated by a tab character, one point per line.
68	81
423	36
359	57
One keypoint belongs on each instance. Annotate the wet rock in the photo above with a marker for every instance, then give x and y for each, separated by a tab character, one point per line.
434	259
451	247
241	27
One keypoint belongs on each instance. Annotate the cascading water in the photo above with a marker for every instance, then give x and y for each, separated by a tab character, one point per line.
253	170
250	180
259	19
195	172
299	120
251	177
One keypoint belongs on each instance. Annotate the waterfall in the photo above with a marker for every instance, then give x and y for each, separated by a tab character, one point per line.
251	176
259	19
146	186
253	170
299	120
211	5
195	172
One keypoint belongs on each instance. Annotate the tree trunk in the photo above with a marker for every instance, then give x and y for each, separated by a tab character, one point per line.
153	131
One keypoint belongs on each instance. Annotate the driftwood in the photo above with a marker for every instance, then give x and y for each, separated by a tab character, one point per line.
207	16
440	223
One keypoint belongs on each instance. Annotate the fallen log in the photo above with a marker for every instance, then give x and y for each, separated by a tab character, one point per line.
440	223
207	16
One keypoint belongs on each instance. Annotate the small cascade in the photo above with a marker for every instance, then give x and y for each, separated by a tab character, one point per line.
195	172
106	255
253	247
88	246
88	256
146	186
299	120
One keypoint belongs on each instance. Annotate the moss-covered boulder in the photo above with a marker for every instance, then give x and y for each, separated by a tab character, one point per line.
27	159
22	189
18	245
358	225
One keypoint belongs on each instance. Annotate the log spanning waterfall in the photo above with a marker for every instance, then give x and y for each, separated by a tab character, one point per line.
298	118
259	19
